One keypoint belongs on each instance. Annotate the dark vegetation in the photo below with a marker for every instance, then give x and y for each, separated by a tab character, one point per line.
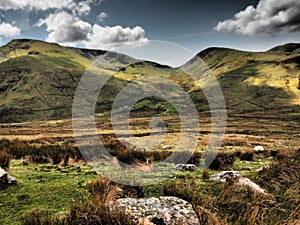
42	152
5	158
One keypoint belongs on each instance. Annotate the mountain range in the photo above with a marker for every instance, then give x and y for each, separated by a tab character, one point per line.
38	79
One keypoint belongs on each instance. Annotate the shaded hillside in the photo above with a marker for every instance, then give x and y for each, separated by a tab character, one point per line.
39	79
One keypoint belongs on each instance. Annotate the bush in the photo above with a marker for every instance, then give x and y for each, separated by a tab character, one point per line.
5	158
38	217
222	161
39	159
154	190
96	211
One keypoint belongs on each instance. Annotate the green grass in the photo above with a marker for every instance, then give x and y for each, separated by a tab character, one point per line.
249	167
44	187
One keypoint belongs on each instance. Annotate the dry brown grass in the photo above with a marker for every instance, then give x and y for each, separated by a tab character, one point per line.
222	161
5	158
243	206
214	203
97	211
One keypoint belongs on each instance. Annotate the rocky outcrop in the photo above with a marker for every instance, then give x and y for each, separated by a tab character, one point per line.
6	179
160	210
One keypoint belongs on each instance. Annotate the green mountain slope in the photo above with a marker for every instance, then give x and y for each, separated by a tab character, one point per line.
257	80
38	79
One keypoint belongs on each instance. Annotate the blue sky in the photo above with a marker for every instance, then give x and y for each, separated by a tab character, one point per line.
255	25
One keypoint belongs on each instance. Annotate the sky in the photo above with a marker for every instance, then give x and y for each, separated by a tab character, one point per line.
255	25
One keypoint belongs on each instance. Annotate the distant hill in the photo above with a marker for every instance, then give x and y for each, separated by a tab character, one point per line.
254	81
288	48
38	79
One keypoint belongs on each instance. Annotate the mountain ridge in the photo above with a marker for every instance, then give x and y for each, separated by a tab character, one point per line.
38	79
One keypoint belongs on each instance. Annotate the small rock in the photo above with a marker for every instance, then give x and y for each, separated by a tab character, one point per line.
266	167
3	177
186	167
11	180
226	176
167	147
247	183
6	179
258	148
2	173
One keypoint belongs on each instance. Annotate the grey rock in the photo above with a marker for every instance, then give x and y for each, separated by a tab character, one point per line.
2	173
3	177
226	176
186	167
11	180
6	179
245	183
162	210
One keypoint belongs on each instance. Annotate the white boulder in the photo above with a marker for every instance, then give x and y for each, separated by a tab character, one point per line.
258	148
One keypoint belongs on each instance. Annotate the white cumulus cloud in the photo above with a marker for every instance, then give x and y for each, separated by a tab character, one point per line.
83	8
269	17
9	30
38	5
102	16
65	28
77	7
117	36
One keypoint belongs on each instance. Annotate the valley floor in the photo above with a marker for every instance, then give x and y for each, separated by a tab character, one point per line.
54	187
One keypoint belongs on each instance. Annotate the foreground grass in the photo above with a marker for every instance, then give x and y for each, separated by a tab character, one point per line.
52	189
44	187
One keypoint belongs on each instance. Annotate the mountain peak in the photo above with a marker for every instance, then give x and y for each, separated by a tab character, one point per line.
289	48
216	50
25	41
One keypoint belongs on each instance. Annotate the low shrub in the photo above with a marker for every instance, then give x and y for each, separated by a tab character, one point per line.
221	161
5	158
38	217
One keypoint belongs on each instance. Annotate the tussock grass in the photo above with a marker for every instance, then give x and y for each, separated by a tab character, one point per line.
5	158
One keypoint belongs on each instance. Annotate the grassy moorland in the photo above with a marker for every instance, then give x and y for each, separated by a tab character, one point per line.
46	189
